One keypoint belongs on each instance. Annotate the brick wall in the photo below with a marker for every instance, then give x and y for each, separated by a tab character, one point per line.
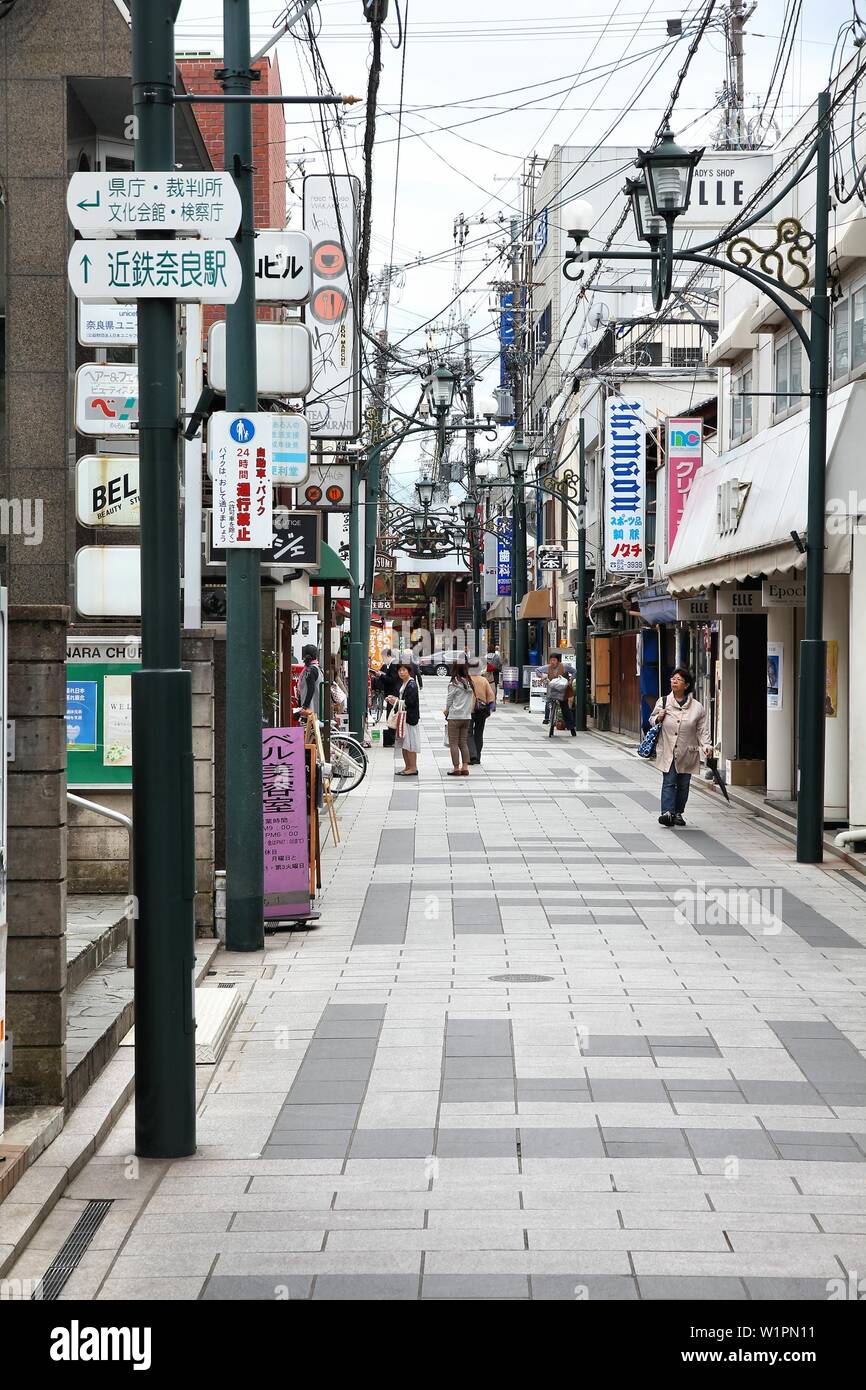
269	149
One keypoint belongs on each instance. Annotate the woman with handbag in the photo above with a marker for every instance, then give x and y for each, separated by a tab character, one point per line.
459	706
406	716
485	704
684	736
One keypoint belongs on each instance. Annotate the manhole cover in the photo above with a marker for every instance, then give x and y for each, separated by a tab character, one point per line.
521	979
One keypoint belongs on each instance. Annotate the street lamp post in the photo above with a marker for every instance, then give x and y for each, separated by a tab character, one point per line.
517	459
657	200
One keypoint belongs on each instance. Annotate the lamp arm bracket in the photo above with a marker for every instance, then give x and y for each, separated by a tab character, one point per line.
790	234
760	282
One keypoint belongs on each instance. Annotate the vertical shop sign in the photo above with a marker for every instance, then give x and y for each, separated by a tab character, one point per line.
625	487
685	439
284	813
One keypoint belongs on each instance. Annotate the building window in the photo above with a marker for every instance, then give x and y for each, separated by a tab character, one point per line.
841	360
858	327
741	405
849	333
789	375
542	332
686	356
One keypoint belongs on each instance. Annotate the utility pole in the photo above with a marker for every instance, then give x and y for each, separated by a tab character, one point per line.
474	546
739	14
162	789
244	828
371	508
520	644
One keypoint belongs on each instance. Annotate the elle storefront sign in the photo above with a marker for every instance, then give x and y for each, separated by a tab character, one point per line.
625	487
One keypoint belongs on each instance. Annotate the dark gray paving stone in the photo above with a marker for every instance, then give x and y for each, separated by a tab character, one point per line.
478	1068
591	802
646	800
720	929
478	928
392	1143
714	1083
780	1093
347	1028
465	841
783	1290
606	774
489	1287
703	1041
265	1288
714	851
814	1153
476	1143
396	846
594	1288
621	1089
614	1045
315	1092
830	1062
470	1027
384	915
476	912
404	801
706	1288
813	927
477	1045
719	1143
303	1116
337	1011
366	1287
561	1143
460	1092
805	1028
636	843
564	1086
339	1069
854	1095
682	1098
304	1152
552	1097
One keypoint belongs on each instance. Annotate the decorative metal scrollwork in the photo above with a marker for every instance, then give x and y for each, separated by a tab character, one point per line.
790	249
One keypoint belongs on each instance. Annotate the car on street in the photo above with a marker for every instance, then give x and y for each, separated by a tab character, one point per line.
440	663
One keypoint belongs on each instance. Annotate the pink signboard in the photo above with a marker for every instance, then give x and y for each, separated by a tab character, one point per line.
284	810
685	440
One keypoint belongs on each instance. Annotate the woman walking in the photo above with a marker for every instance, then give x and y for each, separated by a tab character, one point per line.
408	737
485	704
459	705
685	735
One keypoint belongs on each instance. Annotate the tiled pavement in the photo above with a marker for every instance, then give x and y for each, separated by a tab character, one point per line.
536	1047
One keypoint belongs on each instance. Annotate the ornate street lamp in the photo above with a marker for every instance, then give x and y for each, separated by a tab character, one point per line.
468	508
425	488
442	389
517	460
669	171
648	226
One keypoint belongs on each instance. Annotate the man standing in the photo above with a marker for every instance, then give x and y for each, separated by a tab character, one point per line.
494	671
390	686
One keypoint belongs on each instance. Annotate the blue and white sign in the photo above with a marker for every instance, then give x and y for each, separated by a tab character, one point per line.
290	457
242	430
625	487
81	705
503	556
541	230
240	449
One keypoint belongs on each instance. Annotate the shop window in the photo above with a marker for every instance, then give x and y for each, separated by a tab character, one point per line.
788	375
741	405
841	359
849	334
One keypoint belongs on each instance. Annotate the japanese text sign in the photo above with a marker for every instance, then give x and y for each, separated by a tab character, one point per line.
206	272
106	398
284	813
503	555
625	487
118	204
284	266
240	454
685	440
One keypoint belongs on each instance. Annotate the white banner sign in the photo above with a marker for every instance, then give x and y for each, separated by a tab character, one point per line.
108	581
489	591
284	267
106	490
284	358
119	204
625	487
106	325
725	182
106	398
207	272
335	409
240	448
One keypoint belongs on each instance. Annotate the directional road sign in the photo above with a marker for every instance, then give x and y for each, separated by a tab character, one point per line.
121	204
207	272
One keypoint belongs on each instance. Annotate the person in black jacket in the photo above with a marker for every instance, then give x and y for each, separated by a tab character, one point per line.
409	742
390	679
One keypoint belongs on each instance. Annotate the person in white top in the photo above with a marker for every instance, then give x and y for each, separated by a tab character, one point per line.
459	704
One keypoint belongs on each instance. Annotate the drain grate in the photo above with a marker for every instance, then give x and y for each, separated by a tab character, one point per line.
521	979
71	1251
226	984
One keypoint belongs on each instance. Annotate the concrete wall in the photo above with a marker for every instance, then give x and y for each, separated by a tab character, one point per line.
98	850
36	963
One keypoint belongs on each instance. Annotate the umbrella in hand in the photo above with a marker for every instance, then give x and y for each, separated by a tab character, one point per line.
713	765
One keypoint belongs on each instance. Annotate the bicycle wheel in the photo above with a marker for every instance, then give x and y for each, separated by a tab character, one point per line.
348	763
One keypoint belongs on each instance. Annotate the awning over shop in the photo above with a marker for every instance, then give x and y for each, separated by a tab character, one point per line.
331	569
736	338
656	604
500	610
775	468
420	564
535	604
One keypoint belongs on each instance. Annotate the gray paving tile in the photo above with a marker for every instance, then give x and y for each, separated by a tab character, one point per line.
813	927
304	1152
384	915
315	1092
259	1287
704	1288
594	1288
478	1068
780	1093
476	1143
303	1116
396	846
720	1143
637	1089
392	1143
614	1045
477	1045
488	1287
714	851
334	1049
560	1143
786	1290
347	1028
366	1288
338	1069
458	1092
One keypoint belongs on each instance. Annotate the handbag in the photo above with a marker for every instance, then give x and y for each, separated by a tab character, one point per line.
647	746
393	720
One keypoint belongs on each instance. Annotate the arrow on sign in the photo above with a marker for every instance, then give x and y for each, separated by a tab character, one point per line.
94	204
85	266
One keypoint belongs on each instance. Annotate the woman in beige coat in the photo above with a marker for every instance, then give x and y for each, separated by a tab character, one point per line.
685	735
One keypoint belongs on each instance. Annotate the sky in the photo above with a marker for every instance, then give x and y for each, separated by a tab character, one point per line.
514	83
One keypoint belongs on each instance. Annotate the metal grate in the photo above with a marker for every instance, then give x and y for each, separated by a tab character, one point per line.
521	979
226	984
73	1248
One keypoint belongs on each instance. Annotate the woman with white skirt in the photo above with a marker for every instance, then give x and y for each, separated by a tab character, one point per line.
408	720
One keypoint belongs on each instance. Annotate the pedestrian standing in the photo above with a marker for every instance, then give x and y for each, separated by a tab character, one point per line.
390	685
485	704
409	717
459	704
554	671
310	681
685	735
563	705
408	659
494	671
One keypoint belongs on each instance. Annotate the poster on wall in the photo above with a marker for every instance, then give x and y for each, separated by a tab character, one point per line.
831	703
117	721
81	702
99	710
284	814
685	441
624	487
775	674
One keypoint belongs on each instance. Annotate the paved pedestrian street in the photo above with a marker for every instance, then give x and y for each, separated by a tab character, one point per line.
538	1046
